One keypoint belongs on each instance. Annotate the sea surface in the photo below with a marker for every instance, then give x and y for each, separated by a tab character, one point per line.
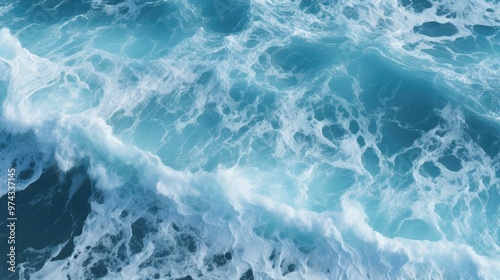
257	139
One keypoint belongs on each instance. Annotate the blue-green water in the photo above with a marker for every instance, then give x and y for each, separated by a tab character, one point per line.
256	139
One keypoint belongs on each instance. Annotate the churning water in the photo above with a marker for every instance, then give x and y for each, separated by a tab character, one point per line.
218	139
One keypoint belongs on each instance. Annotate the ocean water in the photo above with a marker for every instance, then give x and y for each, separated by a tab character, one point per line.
232	139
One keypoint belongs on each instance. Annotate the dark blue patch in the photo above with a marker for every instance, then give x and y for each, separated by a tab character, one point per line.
248	275
222	259
361	141
371	161
301	56
417	5
429	169
484	133
465	44
45	208
451	163
310	6
354	127
436	29
159	22
444	11
404	162
333	132
406	102
484	30
350	13
396	138
225	16
99	270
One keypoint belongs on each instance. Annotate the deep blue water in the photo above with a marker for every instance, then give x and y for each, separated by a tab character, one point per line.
219	139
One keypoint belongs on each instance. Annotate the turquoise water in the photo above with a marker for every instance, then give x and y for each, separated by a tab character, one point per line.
258	139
